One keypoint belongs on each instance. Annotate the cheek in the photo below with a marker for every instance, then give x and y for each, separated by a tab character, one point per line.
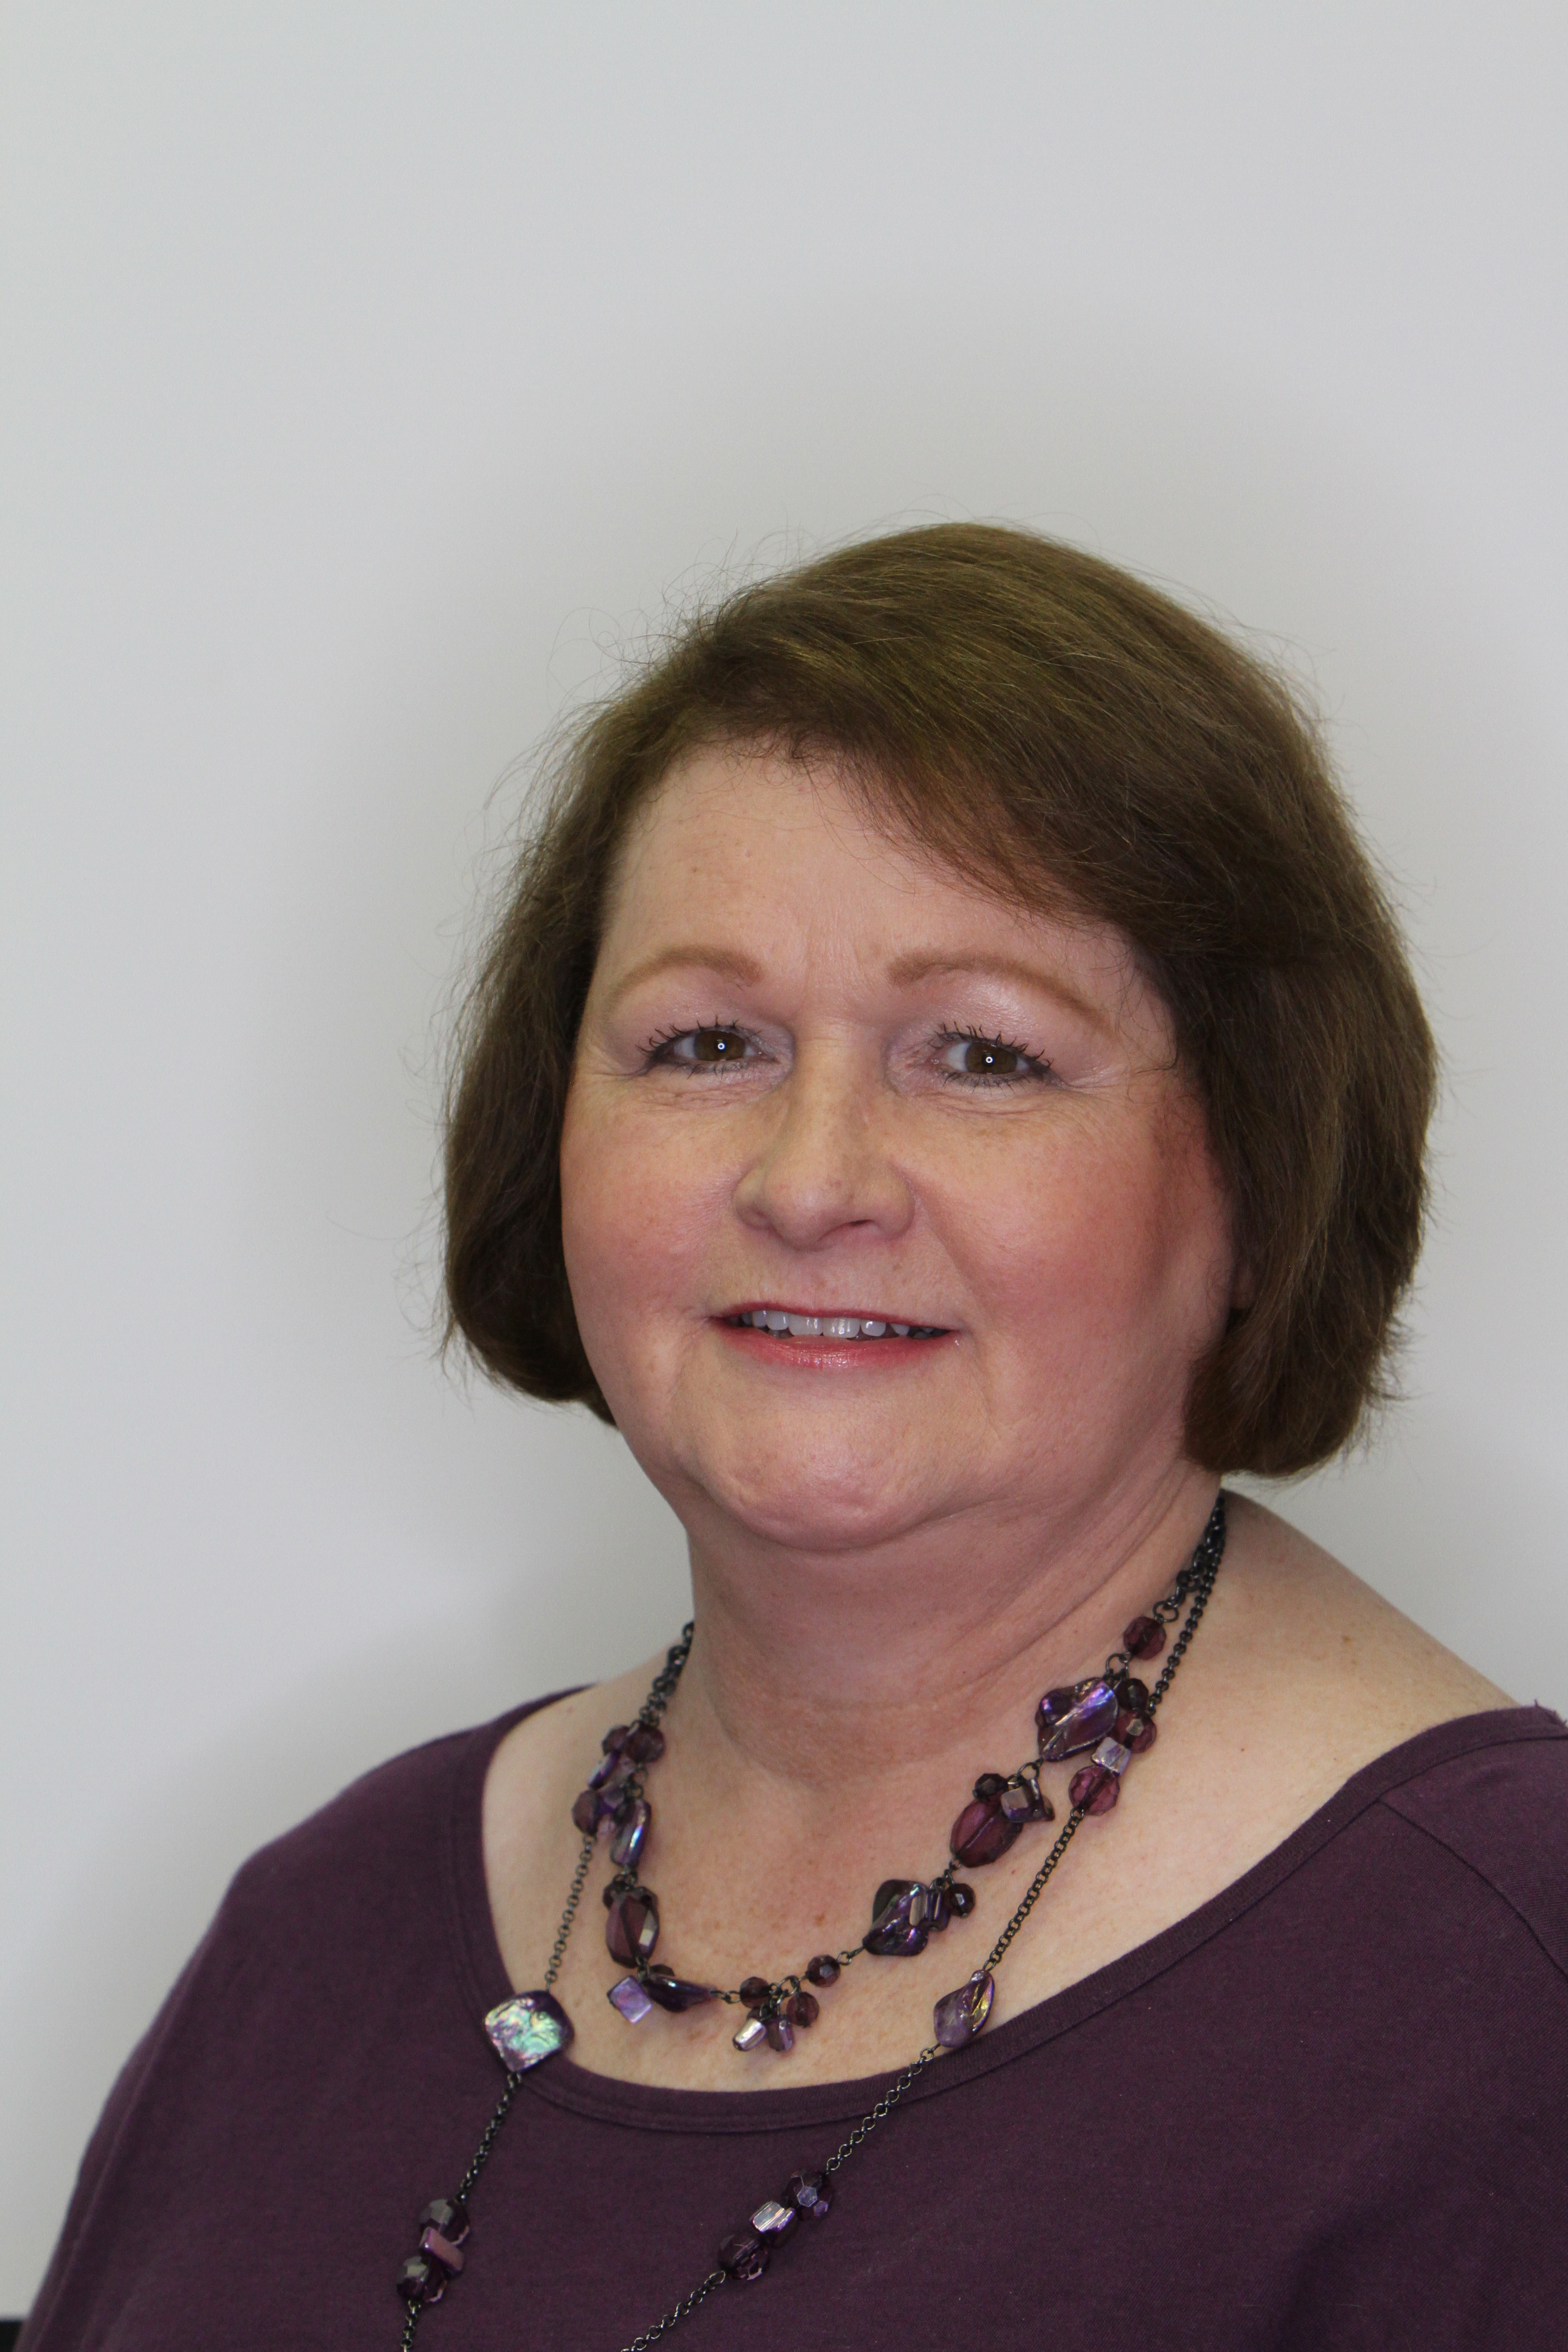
1111	1238
632	1212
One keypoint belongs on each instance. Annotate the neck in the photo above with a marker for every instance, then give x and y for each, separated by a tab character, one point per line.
816	1670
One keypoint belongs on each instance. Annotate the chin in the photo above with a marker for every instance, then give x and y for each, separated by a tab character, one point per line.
793	1496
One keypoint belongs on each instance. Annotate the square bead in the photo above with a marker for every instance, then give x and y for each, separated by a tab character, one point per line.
629	1997
528	2029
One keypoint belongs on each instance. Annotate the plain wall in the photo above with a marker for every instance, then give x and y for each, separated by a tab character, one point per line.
371	371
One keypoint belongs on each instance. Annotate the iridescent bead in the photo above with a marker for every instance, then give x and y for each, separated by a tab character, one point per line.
1020	1805
780	2034
774	2221
959	2016
810	2192
801	2009
449	2215
754	1990
611	1771
1070	1720
631	1930
822	1970
963	1898
1113	1756
673	1992
898	1929
530	2027
628	1997
1094	1789
627	1841
939	1909
743	2255
753	2032
1135	1731
982	1833
1145	1638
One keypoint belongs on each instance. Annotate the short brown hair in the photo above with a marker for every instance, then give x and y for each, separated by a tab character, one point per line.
1069	738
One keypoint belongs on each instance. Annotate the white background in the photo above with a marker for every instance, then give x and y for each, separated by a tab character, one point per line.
371	371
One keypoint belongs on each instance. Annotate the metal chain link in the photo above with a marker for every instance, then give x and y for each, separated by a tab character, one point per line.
672	2318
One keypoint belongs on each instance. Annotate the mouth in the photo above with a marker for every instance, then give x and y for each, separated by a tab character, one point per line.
790	1323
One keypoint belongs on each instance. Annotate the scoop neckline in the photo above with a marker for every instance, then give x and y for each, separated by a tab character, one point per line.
483	1980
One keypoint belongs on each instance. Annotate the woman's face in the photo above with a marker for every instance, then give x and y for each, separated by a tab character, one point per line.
819	1075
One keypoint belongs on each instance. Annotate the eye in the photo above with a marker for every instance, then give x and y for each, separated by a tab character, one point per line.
718	1047
974	1060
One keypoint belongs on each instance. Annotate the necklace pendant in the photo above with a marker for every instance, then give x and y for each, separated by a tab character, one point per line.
1072	1720
528	2029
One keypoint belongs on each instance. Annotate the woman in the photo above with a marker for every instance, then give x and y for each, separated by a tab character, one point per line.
948	1086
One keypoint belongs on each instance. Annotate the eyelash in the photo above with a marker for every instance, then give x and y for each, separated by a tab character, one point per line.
1039	1067
656	1050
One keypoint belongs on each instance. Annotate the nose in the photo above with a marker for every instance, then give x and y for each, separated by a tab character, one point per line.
825	1166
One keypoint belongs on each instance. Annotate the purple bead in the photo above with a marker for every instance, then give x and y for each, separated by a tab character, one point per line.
448	2215
752	2035
898	1929
1094	1789
801	2009
1070	1720
939	1909
1135	1731
963	1898
441	2250
960	2015
421	2281
982	1833
810	2192
628	1995
673	1992
615	1739
1145	1638
1133	1695
633	1828
780	2034
822	1970
631	1928
744	2255
754	1990
611	1771
989	1784
776	2222
643	1743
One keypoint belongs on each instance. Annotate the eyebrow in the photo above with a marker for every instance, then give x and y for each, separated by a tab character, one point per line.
726	963
904	972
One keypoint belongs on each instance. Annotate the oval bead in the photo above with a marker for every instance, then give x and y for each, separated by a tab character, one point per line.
982	1833
631	1928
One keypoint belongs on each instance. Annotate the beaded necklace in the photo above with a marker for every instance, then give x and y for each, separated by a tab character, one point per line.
1109	1717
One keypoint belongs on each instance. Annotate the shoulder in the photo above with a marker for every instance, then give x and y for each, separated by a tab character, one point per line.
1494	1802
385	1838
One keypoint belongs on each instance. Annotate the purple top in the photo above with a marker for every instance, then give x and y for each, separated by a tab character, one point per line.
1330	2107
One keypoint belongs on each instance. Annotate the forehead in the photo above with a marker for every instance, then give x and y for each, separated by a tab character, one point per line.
792	856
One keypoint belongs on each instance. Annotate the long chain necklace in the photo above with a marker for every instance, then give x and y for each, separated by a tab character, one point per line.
1109	1717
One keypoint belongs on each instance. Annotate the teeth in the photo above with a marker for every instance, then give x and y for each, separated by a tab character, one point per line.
831	1327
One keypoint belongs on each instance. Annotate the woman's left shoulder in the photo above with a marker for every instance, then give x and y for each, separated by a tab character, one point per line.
1491	1790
